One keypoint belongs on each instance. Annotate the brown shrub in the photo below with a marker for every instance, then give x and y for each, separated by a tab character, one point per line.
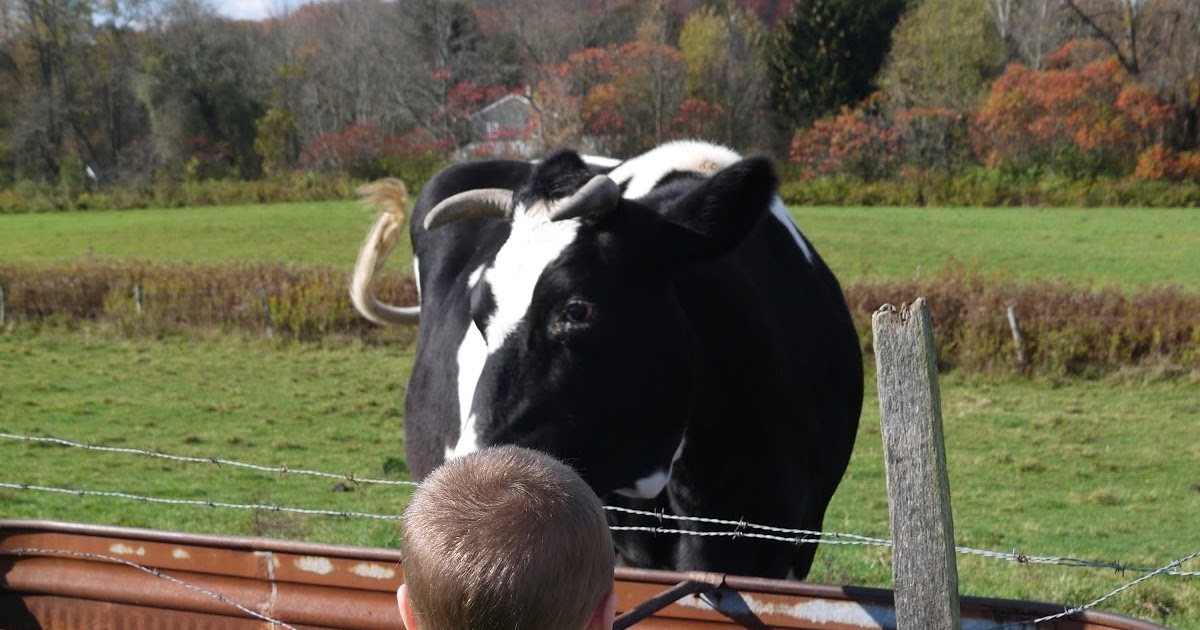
298	302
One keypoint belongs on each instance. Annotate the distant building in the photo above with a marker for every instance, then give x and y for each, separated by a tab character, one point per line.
504	128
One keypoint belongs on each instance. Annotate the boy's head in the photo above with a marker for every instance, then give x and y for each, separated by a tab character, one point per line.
506	538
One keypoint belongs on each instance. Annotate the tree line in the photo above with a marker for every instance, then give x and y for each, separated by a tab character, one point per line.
134	92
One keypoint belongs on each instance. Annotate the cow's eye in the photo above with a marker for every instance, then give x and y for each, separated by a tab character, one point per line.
577	312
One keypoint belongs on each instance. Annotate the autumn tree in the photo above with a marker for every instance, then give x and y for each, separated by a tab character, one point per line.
635	108
1070	118
442	61
1031	29
944	54
201	92
825	55
49	57
722	48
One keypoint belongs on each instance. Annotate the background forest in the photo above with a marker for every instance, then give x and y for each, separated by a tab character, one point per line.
125	103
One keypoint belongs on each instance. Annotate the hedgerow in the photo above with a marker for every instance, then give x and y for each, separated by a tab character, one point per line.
1066	329
34	197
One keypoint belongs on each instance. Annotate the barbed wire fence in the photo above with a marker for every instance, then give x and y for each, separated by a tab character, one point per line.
734	529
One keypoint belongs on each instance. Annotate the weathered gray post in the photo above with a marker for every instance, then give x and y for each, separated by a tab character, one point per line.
3	307
924	570
266	311
137	296
1015	325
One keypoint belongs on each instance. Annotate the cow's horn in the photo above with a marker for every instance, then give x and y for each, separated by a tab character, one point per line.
600	195
381	240
483	203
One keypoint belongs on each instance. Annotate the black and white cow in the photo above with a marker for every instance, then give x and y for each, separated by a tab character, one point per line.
658	323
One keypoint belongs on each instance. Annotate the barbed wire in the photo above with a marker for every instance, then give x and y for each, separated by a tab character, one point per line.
197	502
742	524
797	536
23	551
804	537
279	470
1014	556
1165	569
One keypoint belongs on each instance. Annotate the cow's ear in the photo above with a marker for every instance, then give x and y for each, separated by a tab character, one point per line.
718	214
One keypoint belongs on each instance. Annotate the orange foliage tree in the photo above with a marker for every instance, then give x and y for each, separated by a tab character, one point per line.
1090	119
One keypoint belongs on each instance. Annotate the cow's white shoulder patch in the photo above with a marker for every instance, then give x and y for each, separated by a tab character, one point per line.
640	174
652	485
781	213
647	487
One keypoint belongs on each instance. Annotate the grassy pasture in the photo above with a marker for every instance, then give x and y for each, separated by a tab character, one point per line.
1091	469
1125	246
1097	469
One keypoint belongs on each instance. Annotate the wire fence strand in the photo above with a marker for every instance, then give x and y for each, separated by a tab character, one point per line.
278	470
740	527
25	551
198	503
1165	569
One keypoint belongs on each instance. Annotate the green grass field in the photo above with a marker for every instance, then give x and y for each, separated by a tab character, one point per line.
1096	469
1128	247
1091	469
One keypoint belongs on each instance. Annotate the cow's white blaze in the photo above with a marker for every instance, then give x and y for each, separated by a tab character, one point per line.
640	174
472	353
781	213
417	277
534	243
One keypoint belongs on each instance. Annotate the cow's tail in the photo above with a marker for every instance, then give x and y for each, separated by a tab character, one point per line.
390	196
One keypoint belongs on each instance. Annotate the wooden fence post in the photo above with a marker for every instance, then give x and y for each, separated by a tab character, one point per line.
137	296
924	570
266	311
3	307
1015	325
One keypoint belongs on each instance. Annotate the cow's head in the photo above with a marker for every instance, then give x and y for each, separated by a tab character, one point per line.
585	350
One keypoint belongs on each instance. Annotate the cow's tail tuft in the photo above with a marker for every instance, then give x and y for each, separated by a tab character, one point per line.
391	196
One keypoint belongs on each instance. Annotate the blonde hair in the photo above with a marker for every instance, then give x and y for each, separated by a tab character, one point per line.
509	539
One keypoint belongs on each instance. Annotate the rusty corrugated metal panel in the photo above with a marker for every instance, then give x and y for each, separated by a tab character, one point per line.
329	587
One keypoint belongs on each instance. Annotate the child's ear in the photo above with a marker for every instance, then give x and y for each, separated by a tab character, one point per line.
606	611
717	215
406	613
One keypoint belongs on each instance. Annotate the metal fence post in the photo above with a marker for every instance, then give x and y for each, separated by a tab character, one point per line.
924	569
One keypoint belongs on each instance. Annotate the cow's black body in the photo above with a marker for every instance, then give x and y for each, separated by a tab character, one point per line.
707	336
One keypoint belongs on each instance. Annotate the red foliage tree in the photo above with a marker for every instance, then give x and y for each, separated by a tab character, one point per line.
355	150
859	141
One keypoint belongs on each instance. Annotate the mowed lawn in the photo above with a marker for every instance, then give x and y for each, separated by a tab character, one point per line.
1124	246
